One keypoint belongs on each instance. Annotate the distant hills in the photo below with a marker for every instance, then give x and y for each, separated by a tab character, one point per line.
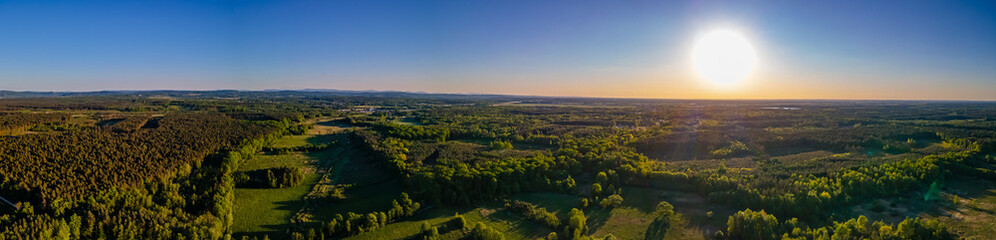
250	93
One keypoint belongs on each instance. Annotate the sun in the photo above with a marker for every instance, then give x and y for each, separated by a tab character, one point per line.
723	57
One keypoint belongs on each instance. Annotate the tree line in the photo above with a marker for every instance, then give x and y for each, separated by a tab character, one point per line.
277	177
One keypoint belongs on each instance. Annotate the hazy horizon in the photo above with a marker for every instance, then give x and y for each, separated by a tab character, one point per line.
868	50
501	94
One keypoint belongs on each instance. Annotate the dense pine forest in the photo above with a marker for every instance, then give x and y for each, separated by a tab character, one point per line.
319	165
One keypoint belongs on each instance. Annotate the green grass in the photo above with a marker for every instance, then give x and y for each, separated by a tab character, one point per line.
407	121
373	198
556	203
301	140
373	189
268	210
291	141
361	170
409	227
974	217
630	221
511	224
323	132
623	222
282	160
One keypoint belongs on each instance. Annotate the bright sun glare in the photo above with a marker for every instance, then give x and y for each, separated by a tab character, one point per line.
724	57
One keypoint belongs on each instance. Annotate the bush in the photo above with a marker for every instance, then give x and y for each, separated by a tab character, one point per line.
577	224
662	221
459	222
540	215
501	145
483	232
611	201
300	129
429	232
551	236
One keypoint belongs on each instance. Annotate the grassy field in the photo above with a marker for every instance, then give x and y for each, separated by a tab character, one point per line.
511	224
407	121
373	198
326	126
974	214
301	140
372	189
268	210
323	132
628	221
561	204
411	226
295	159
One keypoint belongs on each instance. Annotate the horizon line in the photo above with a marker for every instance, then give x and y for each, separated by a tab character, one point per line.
495	94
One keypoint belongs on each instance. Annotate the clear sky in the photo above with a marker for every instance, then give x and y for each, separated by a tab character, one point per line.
806	49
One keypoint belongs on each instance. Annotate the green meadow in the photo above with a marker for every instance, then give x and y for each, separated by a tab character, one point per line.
267	211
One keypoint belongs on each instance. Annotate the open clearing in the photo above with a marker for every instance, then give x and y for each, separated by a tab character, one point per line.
267	211
629	221
511	224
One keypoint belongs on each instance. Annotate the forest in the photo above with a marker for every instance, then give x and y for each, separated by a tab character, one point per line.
306	165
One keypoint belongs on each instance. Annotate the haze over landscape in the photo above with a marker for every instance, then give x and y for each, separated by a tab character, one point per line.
641	49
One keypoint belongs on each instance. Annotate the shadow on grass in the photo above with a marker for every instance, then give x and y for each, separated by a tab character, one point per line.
918	203
518	223
325	138
335	123
597	217
274	231
443	228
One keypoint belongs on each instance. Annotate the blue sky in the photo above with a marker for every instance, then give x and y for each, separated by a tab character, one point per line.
807	49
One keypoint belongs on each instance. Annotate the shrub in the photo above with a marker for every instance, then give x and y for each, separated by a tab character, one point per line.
611	201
